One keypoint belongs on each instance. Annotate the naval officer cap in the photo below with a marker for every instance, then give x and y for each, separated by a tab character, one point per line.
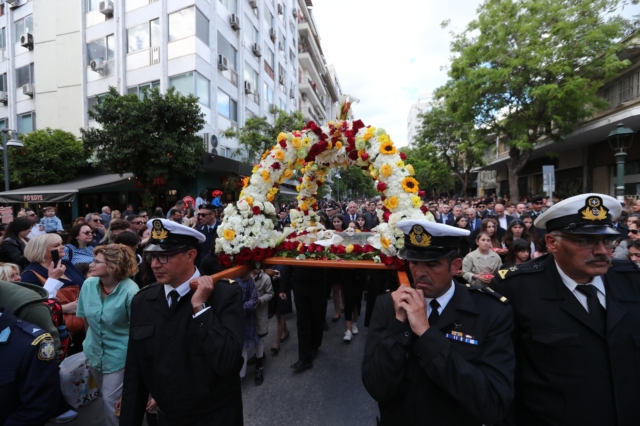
167	235
585	214
426	241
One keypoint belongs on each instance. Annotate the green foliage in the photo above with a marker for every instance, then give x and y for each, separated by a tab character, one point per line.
353	184
451	141
258	135
150	137
433	175
528	70
49	156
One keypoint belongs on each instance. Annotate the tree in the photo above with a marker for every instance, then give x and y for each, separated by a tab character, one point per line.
49	156
258	135
433	175
352	179
529	70
150	137
454	142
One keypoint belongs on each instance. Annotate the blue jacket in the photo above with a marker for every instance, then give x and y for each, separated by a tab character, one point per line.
73	273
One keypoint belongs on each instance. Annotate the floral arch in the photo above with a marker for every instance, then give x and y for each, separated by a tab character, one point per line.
248	230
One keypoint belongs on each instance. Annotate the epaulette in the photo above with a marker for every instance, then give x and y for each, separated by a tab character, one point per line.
520	269
489	291
621	265
146	287
31	329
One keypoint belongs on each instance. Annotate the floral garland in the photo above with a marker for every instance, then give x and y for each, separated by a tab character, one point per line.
247	231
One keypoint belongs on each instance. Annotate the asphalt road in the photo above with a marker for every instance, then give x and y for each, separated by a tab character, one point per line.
330	393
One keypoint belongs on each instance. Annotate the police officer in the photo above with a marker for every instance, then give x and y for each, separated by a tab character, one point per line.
29	378
185	346
439	353
576	316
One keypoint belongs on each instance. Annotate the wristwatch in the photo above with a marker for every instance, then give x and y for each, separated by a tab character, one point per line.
200	307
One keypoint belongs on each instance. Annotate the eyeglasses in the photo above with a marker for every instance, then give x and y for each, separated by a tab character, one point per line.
203	214
162	259
31	215
87	233
95	262
95	220
589	243
633	231
137	223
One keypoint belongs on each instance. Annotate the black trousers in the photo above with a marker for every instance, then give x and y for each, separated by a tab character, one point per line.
311	308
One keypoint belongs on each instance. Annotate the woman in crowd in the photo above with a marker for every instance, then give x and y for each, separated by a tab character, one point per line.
249	305
519	252
516	229
281	279
463	248
105	304
116	227
489	227
264	288
15	241
115	214
353	225
78	250
531	230
131	240
79	221
361	223
9	272
353	283
334	275
479	266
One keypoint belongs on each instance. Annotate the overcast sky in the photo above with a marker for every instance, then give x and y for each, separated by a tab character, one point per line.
386	54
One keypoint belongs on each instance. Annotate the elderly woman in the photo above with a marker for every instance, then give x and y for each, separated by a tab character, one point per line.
9	272
15	241
105	304
79	249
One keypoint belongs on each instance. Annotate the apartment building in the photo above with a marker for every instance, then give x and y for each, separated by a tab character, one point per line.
413	121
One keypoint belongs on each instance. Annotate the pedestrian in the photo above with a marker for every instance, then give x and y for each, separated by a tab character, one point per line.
439	353
105	216
576	316
519	253
15	241
105	304
281	279
264	289
98	229
185	346
51	222
79	249
116	227
249	305
208	228
479	266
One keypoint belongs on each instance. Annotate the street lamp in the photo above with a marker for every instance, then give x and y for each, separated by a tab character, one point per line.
620	140
12	142
337	176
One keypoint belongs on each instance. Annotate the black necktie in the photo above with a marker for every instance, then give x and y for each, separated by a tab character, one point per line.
173	294
433	317
596	310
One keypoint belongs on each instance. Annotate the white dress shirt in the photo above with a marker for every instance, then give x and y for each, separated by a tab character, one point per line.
503	222
442	300
182	290
595	281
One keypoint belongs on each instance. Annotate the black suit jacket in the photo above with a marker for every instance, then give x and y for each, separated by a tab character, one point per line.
370	220
190	365
205	247
434	380
569	373
346	217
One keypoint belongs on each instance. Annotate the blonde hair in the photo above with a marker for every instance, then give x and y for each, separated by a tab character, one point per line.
7	270
121	260
36	248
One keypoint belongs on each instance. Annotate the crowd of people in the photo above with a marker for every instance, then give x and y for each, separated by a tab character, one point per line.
92	275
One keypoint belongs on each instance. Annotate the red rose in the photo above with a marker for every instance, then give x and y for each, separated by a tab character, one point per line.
368	248
353	155
381	187
283	143
382	197
311	248
332	249
424	209
243	256
302	248
357	249
386	259
403	156
340	250
275	166
258	254
255	210
224	260
319	249
364	156
385	216
421	193
357	125
398	263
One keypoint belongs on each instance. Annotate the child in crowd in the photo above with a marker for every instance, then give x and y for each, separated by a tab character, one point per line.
479	266
50	221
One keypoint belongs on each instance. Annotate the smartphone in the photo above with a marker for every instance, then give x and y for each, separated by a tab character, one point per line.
55	257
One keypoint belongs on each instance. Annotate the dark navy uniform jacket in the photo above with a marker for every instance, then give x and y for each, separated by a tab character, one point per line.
29	377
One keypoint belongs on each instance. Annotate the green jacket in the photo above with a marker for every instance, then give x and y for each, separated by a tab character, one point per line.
25	302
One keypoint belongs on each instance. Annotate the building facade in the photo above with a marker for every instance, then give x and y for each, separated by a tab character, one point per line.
413	121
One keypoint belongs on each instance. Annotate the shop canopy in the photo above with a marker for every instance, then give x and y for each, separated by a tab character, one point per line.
61	192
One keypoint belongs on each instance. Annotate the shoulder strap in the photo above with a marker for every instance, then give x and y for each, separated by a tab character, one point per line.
40	277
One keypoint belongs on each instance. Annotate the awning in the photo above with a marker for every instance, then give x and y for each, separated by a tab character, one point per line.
287	191
61	192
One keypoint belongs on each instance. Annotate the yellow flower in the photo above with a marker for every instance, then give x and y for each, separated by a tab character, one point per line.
255	169
409	168
387	148
306	141
320	173
249	200
417	202
300	161
391	202
400	163
409	184
282	136
296	143
312	223
281	180
329	145
228	234
386	170
270	197
287	173
245	182
304	206
368	135
266	175
360	152
349	248
385	242
307	178
374	174
384	138
280	154
297	188
293	224
338	145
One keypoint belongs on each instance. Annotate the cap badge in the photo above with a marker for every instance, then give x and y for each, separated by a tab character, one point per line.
594	210
158	232
419	237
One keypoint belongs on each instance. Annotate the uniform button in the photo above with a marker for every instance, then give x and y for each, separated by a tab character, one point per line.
406	334
201	325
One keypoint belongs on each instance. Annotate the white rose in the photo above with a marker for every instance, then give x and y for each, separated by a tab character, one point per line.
268	208
251	221
400	243
243	206
245	222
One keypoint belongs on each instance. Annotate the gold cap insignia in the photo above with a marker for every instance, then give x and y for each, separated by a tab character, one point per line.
158	232
419	237
594	210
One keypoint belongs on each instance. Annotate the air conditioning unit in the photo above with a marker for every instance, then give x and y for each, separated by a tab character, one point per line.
256	50
304	96
106	7
248	88
272	34
223	63
280	46
253	4
280	9
235	22
26	40
28	90
294	13
281	79
4	98
98	65
292	94
12	3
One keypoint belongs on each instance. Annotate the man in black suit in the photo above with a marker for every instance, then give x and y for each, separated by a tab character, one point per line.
504	220
536	207
451	219
440	353
370	217
352	213
185	346
576	317
209	228
473	220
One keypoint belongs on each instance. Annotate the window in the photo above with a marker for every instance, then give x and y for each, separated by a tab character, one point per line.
626	88
268	93
142	89
271	58
3	38
192	83
3	82
92	5
292	56
93	101
282	105
227	107
101	49
250	75
248	114
25	75
268	20
3	123
250	35
24	25
188	22
225	48
27	122
143	36
231	5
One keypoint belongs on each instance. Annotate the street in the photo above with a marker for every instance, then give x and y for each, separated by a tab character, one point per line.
330	393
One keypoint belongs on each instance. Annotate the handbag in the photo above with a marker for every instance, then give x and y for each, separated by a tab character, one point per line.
67	295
